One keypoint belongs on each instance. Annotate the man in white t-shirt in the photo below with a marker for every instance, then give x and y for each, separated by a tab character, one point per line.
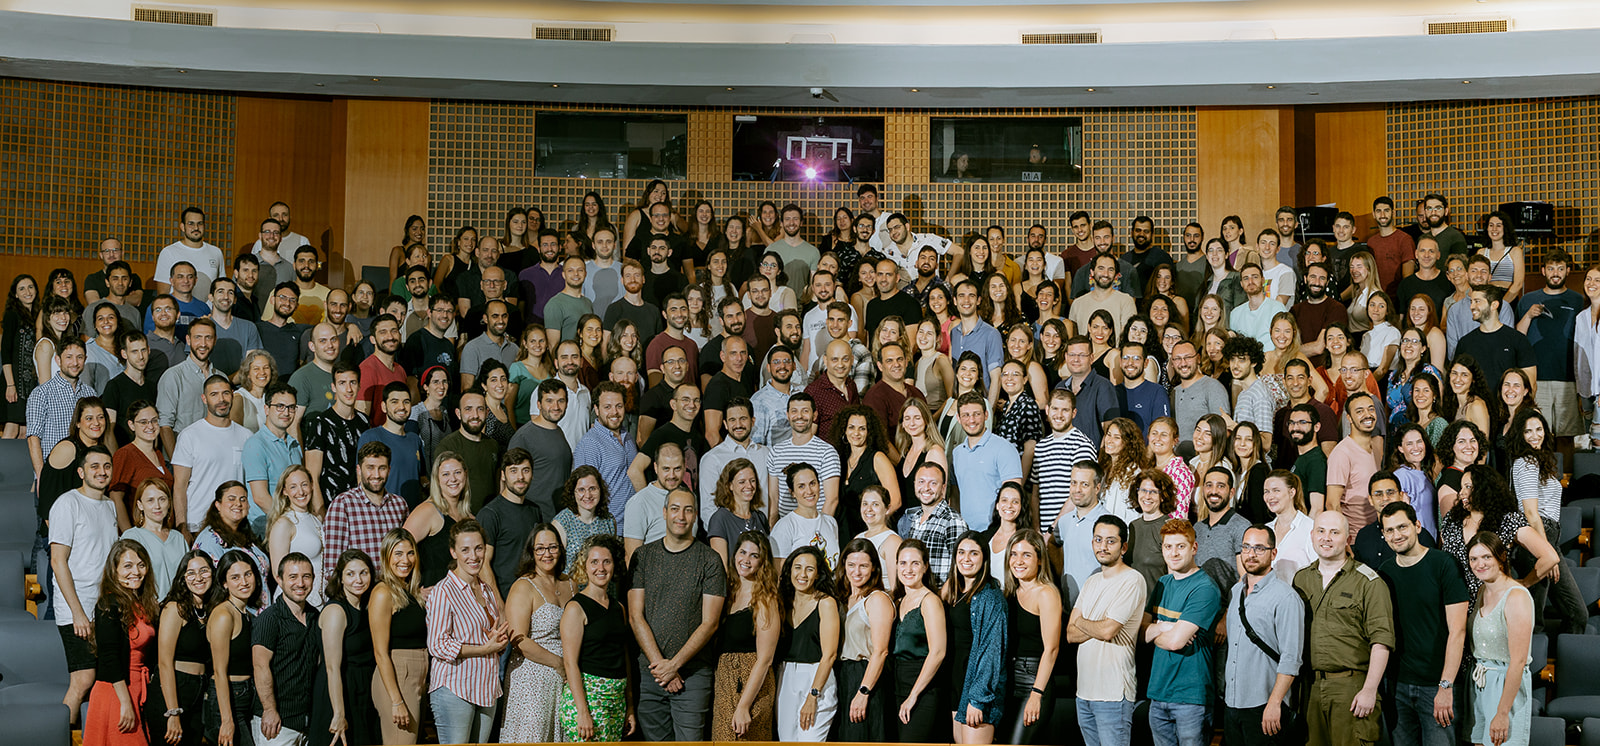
192	248
1105	625
1278	280
82	526
288	240
209	453
805	526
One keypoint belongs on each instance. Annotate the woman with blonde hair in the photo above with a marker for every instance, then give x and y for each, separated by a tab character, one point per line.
257	371
1123	455
934	374
153	527
738	505
1211	314
1364	281
746	687
449	500
399	639
1210	439
918	441
533	365
1285	333
294	527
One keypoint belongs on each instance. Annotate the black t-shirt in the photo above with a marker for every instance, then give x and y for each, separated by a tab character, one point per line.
658	286
724	389
901	304
121	392
646	317
506	526
97	282
282	343
655	402
1371	549
1437	288
1498	351
694	445
711	364
423	350
639	249
1421	592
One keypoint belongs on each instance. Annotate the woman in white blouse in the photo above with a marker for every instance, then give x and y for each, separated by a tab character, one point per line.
1290	524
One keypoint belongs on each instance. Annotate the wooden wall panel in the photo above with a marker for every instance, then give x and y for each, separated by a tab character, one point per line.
1352	161
1246	163
282	154
379	157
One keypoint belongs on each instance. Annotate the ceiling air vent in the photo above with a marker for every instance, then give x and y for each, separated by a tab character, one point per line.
1483	26
1073	37
180	16
573	33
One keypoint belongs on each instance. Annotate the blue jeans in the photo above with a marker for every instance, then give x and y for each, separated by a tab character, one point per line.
1106	723
1414	723
460	721
1177	724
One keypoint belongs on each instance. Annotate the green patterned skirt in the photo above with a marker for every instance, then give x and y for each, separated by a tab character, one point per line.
608	706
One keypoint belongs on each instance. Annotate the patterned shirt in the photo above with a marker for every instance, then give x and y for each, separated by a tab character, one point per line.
815	452
1020	421
1183	480
940	532
338	439
830	401
50	409
353	522
1053	458
612	456
459	615
771	416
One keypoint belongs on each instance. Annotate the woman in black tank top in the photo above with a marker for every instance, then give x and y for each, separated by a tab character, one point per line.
807	693
745	688
1036	610
230	702
399	639
342	710
181	674
594	649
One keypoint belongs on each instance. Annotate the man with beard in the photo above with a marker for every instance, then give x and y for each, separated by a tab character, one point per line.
1081	251
1219	532
1262	663
932	520
1392	248
602	277
1196	394
799	256
207	454
660	226
891	300
117	283
429	346
1285	222
1436	217
677	315
905	247
492	285
1144	256
1457	317
542	438
646	316
738	421
579	417
1105	627
1104	295
405	447
314	380
82	529
280	335
1353	462
1190	268
888	396
419	289
607	446
1430	613
193	248
510	518
836	328
286	648
1350	642
50	407
790	330
802	446
1124	275
1310	461
468	288
1549	317
380	368
360	516
479	454
1429	278
313	294
927	277
729	384
731	312
234	335
178	395
1255	403
492	344
544	280
1053	459
1344	246
1095	396
759	325
1319	309
133	384
182	294
332	438
1038	238
1141	400
98	284
679	431
770	404
288	239
1495	345
1297	382
273	266
1253	318
823	288
269	452
664	278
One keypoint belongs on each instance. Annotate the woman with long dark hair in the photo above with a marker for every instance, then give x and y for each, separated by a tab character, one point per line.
864	647
976	641
592	215
1036	616
808	693
866	463
533	609
1461	445
765	229
459	260
416	232
16	351
341	702
639	216
227	527
1412	463
1430	405
1013	513
142	458
124	643
235	599
745	689
1471	389
183	654
1486	504
60	473
919	645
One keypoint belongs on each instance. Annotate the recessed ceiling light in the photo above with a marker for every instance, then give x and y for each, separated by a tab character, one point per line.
1091	90
728	89
916	90
555	85
319	85
374	80
1270	87
1466	82
183	71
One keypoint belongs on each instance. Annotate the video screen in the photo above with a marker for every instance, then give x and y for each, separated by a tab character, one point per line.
801	149
1023	149
611	146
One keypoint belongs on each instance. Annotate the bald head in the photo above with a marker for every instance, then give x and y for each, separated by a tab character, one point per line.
1330	535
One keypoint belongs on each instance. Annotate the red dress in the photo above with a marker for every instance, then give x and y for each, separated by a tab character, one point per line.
100	725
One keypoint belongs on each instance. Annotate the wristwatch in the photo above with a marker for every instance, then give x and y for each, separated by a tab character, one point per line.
863	689
1445	684
816	693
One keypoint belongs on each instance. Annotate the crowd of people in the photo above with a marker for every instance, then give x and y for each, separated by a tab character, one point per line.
697	478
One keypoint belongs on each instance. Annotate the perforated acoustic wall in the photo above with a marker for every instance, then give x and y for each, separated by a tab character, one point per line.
1481	154
1136	161
82	162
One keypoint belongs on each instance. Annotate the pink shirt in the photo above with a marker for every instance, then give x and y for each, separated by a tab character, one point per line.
1351	466
459	615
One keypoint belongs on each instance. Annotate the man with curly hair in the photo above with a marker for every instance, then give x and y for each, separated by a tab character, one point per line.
1256	403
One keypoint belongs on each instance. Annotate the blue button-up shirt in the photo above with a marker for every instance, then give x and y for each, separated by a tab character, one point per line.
980	470
611	455
50	407
771	410
983	340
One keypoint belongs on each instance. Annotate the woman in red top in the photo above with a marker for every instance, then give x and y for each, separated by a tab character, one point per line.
125	637
140	460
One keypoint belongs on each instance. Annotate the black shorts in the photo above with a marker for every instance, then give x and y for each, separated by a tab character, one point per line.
80	654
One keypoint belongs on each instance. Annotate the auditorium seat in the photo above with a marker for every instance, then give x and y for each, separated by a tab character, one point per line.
17	531
1538	659
34	669
13	593
1576	693
1588	580
1548	732
1589	732
37	725
14	453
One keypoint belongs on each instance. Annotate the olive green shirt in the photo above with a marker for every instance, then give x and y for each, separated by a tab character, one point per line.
1347	618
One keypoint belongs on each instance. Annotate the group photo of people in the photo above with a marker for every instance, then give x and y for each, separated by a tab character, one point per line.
735	472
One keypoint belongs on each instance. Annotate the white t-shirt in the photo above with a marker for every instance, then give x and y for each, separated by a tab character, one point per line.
207	260
816	322
286	244
1122	598
794	532
89	527
1376	340
214	455
1279	281
642	519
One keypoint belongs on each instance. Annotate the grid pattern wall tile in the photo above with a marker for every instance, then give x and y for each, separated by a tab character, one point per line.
1481	154
1136	161
80	162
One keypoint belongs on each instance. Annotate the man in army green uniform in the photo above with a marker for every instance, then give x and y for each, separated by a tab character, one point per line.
1352	632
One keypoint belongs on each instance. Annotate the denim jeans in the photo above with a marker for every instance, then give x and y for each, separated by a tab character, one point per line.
1414	723
1177	724
458	720
1106	723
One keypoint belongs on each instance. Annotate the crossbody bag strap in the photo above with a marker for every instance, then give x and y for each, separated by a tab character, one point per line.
1251	633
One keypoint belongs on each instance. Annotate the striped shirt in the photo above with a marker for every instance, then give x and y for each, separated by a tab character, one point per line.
1053	458
460	615
816	452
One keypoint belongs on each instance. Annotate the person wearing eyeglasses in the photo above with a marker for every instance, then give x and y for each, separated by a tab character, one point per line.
1266	621
270	451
